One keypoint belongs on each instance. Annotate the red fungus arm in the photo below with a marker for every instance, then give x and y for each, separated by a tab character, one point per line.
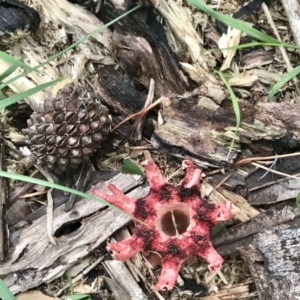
154	175
117	198
169	274
213	258
192	176
222	212
126	248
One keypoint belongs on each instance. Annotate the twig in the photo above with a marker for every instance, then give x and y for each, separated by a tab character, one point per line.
291	11
49	206
32	194
282	49
80	276
3	201
149	100
247	160
220	183
274	171
140	113
271	167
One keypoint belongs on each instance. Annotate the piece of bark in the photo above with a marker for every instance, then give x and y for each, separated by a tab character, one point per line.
292	12
117	91
234	292
256	59
279	214
262	178
280	248
4	243
244	211
14	218
17	212
265	76
34	295
266	187
254	261
141	50
197	127
234	248
123	278
272	258
243	80
35	260
277	192
271	251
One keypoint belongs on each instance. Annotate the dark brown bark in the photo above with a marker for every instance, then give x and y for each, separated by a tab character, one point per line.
117	91
141	48
199	126
4	244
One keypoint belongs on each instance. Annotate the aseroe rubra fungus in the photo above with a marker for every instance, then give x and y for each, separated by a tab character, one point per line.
176	222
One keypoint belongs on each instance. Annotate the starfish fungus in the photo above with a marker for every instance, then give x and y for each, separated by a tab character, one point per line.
175	222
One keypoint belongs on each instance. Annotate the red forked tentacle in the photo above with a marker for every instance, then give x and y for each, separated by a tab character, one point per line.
154	175
118	198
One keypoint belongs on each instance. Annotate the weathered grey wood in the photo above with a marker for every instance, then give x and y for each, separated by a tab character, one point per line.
122	277
35	260
292	11
277	192
273	260
266	187
254	261
280	248
272	217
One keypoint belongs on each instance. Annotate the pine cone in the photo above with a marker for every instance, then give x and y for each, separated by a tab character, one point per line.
67	129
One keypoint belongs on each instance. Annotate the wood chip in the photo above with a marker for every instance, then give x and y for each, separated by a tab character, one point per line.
4	243
34	295
124	279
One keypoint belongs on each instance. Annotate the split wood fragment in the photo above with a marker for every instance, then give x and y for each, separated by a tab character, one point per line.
4	241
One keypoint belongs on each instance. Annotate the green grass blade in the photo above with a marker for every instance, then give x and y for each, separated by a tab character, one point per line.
229	21
298	200
132	167
99	29
51	185
5	293
236	108
20	96
60	187
79	297
10	70
70	281
15	62
284	79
